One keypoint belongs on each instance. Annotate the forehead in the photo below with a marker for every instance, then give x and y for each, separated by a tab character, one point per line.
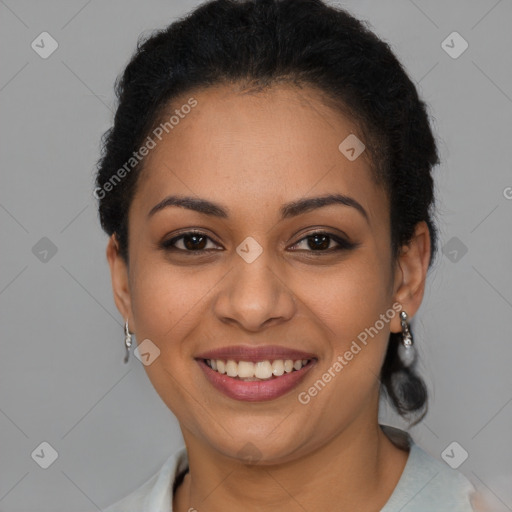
249	150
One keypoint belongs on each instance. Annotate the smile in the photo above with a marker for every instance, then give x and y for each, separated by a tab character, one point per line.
250	371
258	381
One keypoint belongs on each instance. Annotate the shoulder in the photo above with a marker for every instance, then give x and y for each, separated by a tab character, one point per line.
156	493
429	485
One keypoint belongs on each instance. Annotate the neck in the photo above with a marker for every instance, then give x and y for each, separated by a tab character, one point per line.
357	469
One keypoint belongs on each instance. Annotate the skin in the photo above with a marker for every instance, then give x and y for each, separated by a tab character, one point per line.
252	153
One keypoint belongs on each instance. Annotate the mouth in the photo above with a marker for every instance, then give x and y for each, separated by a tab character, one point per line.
255	374
249	371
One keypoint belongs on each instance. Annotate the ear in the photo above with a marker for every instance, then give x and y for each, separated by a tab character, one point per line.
120	280
411	273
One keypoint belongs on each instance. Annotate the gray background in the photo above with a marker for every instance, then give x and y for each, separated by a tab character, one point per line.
62	379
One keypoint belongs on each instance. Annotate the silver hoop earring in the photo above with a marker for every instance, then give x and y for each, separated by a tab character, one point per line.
127	341
406	349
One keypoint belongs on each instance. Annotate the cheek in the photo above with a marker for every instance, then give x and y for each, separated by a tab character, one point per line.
168	303
348	305
165	305
348	298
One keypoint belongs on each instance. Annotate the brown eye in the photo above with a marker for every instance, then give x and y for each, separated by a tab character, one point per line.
321	241
190	242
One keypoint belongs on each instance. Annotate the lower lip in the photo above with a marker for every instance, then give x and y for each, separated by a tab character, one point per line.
254	391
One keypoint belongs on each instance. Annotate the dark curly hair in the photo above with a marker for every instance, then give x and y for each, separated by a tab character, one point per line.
257	43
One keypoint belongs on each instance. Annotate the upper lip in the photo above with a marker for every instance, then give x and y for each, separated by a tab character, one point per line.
254	354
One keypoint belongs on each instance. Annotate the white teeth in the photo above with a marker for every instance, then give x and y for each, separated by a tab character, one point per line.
247	370
221	367
278	368
231	368
263	370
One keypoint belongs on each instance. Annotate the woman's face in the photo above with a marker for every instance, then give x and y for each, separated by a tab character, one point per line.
258	278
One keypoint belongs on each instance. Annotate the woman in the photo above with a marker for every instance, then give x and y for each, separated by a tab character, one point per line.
268	194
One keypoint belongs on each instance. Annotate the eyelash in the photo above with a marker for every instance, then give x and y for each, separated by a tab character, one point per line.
343	244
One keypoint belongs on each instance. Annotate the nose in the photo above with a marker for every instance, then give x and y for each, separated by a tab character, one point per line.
255	296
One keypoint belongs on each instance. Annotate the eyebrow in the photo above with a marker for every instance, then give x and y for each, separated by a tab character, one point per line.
287	211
